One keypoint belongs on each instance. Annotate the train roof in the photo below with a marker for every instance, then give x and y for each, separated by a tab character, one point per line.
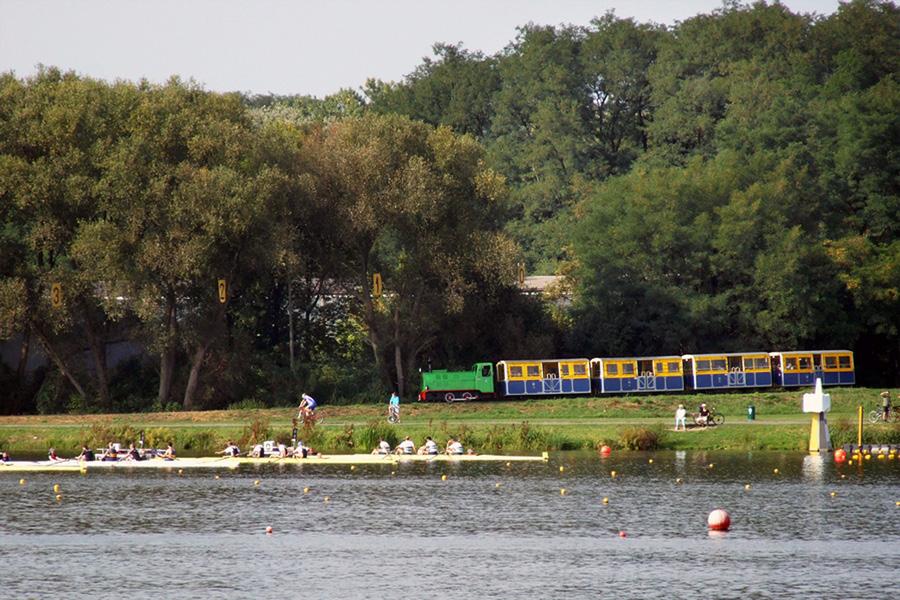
539	360
636	357
748	353
809	352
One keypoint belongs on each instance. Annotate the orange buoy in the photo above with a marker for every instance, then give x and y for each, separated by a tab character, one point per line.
719	520
622	534
269	530
605	450
840	455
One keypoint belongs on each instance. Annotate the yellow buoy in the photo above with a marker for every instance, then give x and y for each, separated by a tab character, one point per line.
393	473
898	503
496	485
562	491
868	457
561	468
612	474
256	482
443	478
843	476
605	500
880	456
746	486
775	471
833	494
849	462
650	461
21	482
679	480
327	499
56	488
181	471
59	497
352	467
83	471
711	465
217	477
507	464
306	490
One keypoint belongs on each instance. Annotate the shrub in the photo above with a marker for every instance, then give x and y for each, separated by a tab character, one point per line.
200	440
256	432
367	437
640	438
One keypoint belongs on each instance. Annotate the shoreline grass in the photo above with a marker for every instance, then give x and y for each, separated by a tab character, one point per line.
523	426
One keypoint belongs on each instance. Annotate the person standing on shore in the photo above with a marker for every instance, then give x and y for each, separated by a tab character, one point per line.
680	415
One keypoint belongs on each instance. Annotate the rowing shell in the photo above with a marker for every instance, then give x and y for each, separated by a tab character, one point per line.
233	463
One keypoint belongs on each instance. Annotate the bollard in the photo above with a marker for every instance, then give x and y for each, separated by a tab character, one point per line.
751	413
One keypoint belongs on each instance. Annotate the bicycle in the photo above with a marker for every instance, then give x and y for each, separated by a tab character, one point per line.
877	416
714	419
393	414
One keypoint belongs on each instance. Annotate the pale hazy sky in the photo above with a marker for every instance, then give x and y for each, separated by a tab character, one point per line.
287	47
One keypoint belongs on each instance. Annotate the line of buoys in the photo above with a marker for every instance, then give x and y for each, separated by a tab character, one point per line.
719	520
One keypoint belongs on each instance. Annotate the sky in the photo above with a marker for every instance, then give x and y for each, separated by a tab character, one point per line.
310	47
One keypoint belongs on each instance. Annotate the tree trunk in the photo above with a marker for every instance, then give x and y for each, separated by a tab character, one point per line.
59	362
97	344
398	365
190	391
167	357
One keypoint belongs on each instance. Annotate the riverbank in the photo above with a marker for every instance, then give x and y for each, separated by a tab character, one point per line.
626	422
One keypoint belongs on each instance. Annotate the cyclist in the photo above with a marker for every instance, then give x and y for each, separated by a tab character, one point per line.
394	407
307	405
703	416
886	405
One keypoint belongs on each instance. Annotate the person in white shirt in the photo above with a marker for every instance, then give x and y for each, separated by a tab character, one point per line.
405	447
454	447
382	448
679	417
429	447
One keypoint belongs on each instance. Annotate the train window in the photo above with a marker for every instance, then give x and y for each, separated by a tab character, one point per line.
761	363
627	368
486	371
564	370
534	371
702	365
804	362
831	362
790	363
674	367
748	364
579	369
515	371
844	362
612	369
659	367
718	364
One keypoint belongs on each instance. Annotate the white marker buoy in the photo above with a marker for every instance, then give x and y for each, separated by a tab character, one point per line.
719	520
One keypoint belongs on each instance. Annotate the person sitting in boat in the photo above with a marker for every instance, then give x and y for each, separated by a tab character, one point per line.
133	453
429	447
230	450
51	455
703	415
169	454
405	447
258	451
382	448
86	454
112	453
4	457
454	447
300	451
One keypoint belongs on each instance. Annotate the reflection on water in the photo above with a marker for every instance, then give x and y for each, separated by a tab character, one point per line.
489	530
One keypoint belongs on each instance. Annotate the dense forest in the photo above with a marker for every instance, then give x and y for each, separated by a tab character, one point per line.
726	183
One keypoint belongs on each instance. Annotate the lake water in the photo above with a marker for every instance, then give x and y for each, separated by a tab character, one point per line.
402	532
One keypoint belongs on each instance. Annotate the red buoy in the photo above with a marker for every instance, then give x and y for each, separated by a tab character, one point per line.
719	520
605	450
269	530
622	534
840	455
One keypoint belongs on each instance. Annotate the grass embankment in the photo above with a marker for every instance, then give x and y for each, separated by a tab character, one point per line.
635	422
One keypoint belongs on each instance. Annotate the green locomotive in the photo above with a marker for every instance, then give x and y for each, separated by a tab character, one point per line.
454	386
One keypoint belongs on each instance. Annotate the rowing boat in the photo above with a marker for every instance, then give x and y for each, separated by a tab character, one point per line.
227	462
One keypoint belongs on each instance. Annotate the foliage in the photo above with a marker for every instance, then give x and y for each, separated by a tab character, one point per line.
640	438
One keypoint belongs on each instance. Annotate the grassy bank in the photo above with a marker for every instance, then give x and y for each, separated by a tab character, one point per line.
635	422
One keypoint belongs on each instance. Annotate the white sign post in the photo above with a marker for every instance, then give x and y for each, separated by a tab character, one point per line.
817	404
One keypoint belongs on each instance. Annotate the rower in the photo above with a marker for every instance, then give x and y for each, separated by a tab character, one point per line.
133	453
258	451
4	457
111	454
382	448
454	447
169	454
86	454
429	447
405	447
300	451
51	455
230	450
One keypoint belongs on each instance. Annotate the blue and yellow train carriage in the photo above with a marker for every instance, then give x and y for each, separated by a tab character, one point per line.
553	377
803	367
644	374
724	371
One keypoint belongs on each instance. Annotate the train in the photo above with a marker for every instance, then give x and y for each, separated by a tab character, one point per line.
647	374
